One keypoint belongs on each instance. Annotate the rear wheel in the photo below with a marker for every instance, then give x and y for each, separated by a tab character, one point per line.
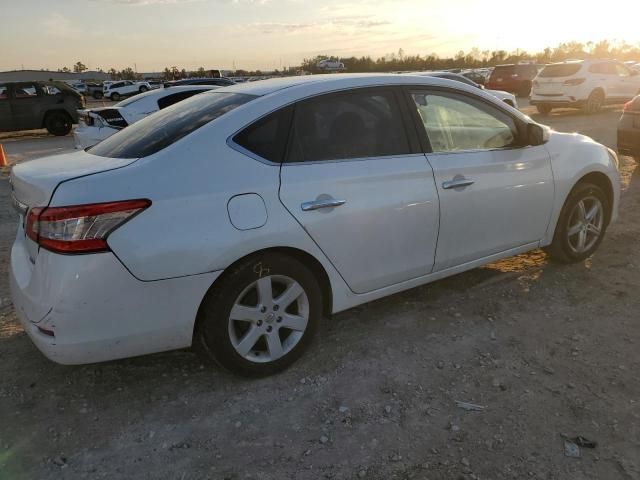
58	123
594	102
544	109
261	316
115	96
581	226
525	89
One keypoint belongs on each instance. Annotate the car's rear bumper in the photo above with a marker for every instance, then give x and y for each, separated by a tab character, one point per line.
556	100
97	310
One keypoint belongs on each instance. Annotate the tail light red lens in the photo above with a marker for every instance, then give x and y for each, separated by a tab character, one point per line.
573	82
80	228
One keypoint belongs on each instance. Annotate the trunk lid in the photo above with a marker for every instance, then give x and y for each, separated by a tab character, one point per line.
34	182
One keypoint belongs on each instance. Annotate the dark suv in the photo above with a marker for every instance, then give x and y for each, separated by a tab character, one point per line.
513	78
33	105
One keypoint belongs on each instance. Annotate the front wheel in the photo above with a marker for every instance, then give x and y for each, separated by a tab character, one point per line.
261	316
581	226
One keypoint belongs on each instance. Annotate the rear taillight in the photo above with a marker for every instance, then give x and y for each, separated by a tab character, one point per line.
80	228
632	106
574	82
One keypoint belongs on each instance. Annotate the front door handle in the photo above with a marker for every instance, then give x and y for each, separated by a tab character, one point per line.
321	203
457	183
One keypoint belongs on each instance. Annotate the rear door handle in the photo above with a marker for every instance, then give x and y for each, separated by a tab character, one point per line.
457	183
321	203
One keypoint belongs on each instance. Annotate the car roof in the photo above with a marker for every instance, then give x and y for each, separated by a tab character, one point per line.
335	82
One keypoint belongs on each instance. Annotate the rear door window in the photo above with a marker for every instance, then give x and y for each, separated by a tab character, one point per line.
362	123
25	90
158	131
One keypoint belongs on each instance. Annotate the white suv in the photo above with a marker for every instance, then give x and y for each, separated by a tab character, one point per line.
116	90
587	84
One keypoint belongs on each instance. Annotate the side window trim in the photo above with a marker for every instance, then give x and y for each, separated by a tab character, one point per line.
393	91
422	133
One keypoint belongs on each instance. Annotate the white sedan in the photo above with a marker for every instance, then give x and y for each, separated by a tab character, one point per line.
99	123
236	219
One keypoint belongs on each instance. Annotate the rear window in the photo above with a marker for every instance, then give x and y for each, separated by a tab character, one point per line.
504	70
561	70
158	131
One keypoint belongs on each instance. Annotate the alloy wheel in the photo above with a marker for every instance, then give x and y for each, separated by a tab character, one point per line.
585	224
269	318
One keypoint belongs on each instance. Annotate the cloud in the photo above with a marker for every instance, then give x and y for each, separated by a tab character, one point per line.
355	22
141	3
59	26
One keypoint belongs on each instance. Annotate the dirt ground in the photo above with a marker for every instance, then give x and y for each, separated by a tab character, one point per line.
547	350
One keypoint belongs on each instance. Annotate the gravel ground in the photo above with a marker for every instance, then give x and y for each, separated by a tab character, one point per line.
545	350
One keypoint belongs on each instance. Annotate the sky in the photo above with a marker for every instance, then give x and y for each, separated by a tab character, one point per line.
148	35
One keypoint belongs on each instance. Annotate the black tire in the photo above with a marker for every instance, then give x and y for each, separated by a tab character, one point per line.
143	89
594	102
560	249
97	95
525	90
58	123
544	109
115	96
213	335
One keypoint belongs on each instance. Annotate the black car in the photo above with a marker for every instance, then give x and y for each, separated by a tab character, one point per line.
94	90
33	105
629	130
220	82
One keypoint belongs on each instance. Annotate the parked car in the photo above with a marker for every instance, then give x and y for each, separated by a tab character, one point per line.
99	123
586	84
94	90
629	130
477	76
513	78
506	97
79	87
219	82
234	220
33	105
116	90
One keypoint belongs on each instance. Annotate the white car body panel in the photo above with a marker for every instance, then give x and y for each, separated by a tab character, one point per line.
504	96
166	258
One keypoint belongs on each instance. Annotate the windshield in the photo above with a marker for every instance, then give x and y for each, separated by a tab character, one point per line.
560	70
161	129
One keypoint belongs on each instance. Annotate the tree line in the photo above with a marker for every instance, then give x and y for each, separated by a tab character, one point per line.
399	61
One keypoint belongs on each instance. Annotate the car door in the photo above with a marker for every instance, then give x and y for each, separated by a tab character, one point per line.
26	105
6	118
364	194
494	195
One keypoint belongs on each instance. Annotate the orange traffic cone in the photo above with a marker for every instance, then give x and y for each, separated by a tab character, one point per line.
3	158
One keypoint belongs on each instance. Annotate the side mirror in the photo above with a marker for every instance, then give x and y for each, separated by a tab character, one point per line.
536	134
